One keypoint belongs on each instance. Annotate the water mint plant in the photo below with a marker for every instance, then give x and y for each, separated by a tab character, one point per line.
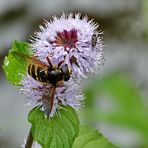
48	72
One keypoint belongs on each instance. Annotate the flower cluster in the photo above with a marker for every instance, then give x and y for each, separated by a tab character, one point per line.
72	40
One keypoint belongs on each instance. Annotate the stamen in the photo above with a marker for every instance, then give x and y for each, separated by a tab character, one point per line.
67	39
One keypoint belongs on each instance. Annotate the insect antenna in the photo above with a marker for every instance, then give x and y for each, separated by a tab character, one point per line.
60	63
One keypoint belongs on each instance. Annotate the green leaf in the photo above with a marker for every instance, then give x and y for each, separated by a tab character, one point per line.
91	138
57	132
15	68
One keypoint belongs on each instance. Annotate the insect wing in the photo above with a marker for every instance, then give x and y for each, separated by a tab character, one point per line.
33	60
48	100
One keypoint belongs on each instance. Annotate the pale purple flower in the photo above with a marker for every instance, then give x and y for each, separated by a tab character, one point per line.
68	94
73	39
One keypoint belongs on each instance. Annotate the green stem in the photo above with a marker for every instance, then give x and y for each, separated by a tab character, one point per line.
29	141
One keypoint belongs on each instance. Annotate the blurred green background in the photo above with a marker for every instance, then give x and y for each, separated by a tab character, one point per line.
116	100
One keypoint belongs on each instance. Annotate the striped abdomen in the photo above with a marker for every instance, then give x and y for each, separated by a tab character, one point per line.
38	73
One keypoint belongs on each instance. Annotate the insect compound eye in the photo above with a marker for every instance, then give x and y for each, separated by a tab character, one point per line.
65	70
94	36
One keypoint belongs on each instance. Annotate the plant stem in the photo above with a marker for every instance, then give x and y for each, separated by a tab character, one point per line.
29	140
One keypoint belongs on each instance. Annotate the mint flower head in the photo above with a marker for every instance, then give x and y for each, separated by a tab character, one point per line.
72	39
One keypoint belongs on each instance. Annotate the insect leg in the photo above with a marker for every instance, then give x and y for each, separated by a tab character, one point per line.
48	60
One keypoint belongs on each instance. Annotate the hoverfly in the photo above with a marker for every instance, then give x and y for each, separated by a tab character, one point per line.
94	40
53	75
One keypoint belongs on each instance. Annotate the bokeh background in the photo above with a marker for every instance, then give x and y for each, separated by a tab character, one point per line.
116	102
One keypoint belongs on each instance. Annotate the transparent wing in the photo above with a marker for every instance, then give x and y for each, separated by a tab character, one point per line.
28	59
48	100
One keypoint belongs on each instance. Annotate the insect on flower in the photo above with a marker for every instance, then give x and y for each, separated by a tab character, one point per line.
53	75
72	38
94	40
